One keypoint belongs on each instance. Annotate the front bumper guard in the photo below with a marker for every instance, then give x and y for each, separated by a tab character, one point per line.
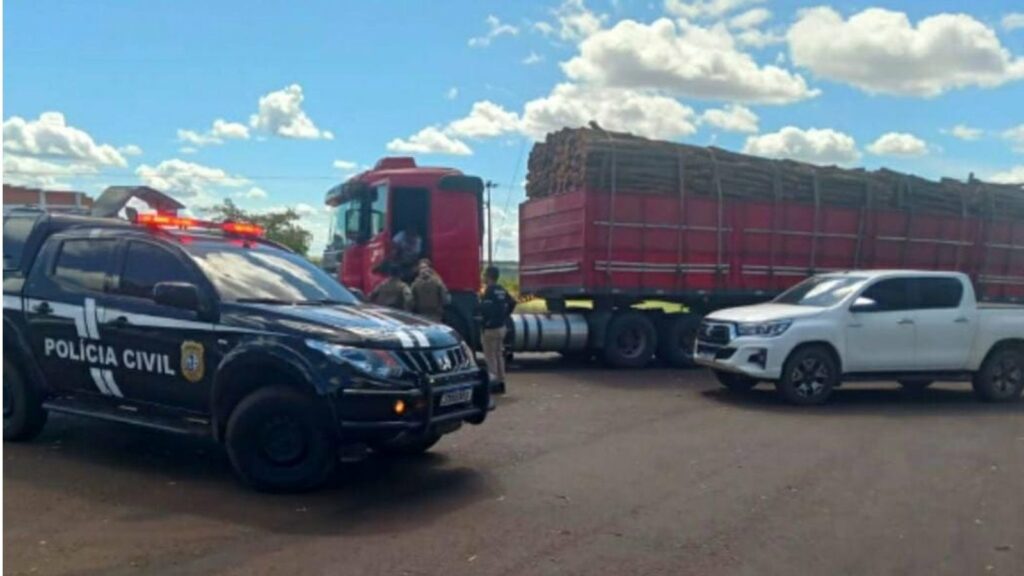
426	395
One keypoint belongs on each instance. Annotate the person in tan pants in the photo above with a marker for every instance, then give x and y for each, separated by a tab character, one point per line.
496	307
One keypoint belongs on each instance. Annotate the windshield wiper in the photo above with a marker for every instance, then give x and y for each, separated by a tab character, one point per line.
276	301
321	302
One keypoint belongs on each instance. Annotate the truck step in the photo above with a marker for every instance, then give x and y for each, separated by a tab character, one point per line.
130	413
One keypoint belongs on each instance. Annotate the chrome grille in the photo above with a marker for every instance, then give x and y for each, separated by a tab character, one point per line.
715	332
430	362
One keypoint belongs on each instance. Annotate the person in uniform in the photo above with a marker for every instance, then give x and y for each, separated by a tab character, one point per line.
408	249
496	306
393	292
429	294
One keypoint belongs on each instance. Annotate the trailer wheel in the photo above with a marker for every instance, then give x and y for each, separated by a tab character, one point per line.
676	340
1001	378
630	340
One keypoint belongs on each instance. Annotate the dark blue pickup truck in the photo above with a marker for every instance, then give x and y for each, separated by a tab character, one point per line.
201	328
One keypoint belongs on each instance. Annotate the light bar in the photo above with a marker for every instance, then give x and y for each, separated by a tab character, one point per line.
169	221
166	221
242	228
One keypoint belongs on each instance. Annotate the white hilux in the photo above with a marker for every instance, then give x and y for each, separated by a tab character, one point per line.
913	327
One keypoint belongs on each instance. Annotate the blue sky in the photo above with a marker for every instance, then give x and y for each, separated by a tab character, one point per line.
137	86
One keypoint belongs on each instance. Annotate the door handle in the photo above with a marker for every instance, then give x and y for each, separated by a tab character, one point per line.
962	321
905	322
120	321
43	308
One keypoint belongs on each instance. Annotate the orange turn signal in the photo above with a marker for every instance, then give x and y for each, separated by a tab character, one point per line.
399	407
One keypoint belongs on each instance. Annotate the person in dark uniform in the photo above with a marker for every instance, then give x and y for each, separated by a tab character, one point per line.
496	306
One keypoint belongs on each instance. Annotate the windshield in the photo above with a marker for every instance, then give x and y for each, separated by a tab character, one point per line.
821	291
252	272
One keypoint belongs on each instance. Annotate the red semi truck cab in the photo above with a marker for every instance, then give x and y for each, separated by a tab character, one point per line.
442	204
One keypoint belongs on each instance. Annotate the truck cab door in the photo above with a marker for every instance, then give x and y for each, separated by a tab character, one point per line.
167	352
945	324
880	329
67	285
378	234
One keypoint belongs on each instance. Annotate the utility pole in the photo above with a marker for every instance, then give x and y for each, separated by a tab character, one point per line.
490	234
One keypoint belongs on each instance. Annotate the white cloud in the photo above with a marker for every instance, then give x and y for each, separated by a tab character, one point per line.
1014	175
219	131
576	21
345	165
750	19
485	120
818	146
51	137
188	150
195	138
1016	136
188	180
254	193
495	28
545	28
430	140
732	118
709	9
130	150
898	144
280	114
28	171
506	233
616	109
532	58
1013	21
964	132
683	59
452	93
881	51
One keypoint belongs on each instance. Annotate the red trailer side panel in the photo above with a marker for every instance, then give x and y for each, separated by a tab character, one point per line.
654	245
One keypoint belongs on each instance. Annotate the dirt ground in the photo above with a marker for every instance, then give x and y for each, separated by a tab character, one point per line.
581	470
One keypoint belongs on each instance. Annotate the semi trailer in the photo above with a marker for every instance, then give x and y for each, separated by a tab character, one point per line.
631	242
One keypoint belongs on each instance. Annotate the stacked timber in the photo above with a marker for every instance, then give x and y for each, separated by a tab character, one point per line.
598	160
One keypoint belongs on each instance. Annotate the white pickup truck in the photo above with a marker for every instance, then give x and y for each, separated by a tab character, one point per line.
908	326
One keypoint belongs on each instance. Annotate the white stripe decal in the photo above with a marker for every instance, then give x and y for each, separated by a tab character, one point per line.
404	338
108	377
12	302
421	338
90	319
97	377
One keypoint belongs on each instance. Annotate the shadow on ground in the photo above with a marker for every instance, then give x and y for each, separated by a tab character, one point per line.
876	399
164	475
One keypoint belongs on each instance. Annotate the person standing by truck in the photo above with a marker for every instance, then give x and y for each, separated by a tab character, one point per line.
496	306
393	292
429	294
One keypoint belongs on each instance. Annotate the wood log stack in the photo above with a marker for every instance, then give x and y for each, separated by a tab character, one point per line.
597	160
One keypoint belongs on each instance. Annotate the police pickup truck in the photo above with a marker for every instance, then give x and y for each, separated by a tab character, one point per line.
201	328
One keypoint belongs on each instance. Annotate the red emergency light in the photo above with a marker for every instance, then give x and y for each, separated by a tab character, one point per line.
169	221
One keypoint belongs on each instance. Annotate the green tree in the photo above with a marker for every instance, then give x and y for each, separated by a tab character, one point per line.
281	226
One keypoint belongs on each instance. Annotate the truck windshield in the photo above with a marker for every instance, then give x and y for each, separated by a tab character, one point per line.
821	291
244	272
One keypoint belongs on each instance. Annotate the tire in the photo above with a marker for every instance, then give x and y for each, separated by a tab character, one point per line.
279	440
735	382
630	341
676	340
916	386
410	446
24	416
1001	378
809	376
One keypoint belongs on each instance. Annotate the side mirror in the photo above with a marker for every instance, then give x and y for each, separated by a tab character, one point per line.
863	304
177	295
352	224
359	294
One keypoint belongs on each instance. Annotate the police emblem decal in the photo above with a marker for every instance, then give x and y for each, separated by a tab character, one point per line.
192	365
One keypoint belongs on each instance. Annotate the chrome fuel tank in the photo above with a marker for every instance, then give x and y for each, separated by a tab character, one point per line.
549	332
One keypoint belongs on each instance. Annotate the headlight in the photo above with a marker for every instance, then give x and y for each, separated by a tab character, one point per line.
376	363
764	329
468	351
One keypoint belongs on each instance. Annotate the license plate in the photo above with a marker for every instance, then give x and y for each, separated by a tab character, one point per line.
456	397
